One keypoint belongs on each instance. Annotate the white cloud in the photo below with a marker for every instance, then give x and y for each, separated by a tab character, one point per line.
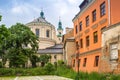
17	9
61	7
26	11
72	1
23	8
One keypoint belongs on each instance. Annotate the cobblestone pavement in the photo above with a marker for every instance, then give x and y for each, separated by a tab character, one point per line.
42	78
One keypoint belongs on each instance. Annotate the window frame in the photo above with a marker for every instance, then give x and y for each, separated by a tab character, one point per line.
77	45
80	26
114	47
87	41
37	32
81	43
87	21
85	62
47	33
95	36
102	9
96	64
76	29
94	17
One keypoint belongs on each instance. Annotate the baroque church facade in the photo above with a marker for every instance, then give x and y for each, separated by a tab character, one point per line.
50	43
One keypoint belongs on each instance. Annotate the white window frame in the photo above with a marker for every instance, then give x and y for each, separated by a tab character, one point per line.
114	51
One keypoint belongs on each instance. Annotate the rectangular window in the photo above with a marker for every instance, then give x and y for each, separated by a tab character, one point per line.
114	51
87	41
102	9
87	21
80	26
96	61
76	29
48	33
95	34
77	45
81	43
94	16
84	63
37	32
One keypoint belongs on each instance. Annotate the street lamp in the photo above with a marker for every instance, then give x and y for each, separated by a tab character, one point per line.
78	61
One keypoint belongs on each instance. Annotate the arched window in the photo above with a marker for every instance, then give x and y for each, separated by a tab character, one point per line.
48	33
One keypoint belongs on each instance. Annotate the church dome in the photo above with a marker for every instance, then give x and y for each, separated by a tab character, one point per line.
40	21
44	30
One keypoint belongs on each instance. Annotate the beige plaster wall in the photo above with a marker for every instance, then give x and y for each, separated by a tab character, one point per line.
69	51
44	41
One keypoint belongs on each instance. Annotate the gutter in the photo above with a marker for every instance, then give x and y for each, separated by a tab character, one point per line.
109	13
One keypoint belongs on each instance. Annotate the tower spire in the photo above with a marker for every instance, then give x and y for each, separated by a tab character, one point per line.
60	30
59	25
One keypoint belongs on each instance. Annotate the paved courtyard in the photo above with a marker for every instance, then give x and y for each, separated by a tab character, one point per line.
42	78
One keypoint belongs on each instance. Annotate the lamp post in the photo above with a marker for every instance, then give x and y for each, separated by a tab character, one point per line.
77	58
78	61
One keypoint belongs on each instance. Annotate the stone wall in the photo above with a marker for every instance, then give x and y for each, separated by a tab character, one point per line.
110	35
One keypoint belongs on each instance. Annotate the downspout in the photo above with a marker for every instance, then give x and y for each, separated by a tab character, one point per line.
109	13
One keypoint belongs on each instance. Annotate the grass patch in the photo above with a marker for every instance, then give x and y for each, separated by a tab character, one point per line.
7	78
50	69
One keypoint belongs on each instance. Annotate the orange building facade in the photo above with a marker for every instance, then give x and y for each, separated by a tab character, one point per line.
93	17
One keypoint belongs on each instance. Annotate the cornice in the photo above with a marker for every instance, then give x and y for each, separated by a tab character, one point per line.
82	11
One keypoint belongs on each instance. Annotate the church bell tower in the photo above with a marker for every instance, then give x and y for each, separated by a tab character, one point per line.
60	31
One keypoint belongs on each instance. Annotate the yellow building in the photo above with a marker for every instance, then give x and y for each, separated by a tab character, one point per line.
49	41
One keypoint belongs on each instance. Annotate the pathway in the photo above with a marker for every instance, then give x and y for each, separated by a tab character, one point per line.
42	78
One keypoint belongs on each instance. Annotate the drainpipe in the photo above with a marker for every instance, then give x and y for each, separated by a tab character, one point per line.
109	13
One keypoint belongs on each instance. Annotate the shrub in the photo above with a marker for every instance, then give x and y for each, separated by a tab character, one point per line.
0	64
115	77
6	72
60	62
49	68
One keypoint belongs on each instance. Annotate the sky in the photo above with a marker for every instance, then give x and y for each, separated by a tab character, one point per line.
24	11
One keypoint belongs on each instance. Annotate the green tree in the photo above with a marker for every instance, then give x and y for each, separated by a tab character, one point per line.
44	59
23	44
0	17
4	34
34	59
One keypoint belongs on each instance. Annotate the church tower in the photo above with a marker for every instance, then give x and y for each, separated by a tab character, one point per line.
60	31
